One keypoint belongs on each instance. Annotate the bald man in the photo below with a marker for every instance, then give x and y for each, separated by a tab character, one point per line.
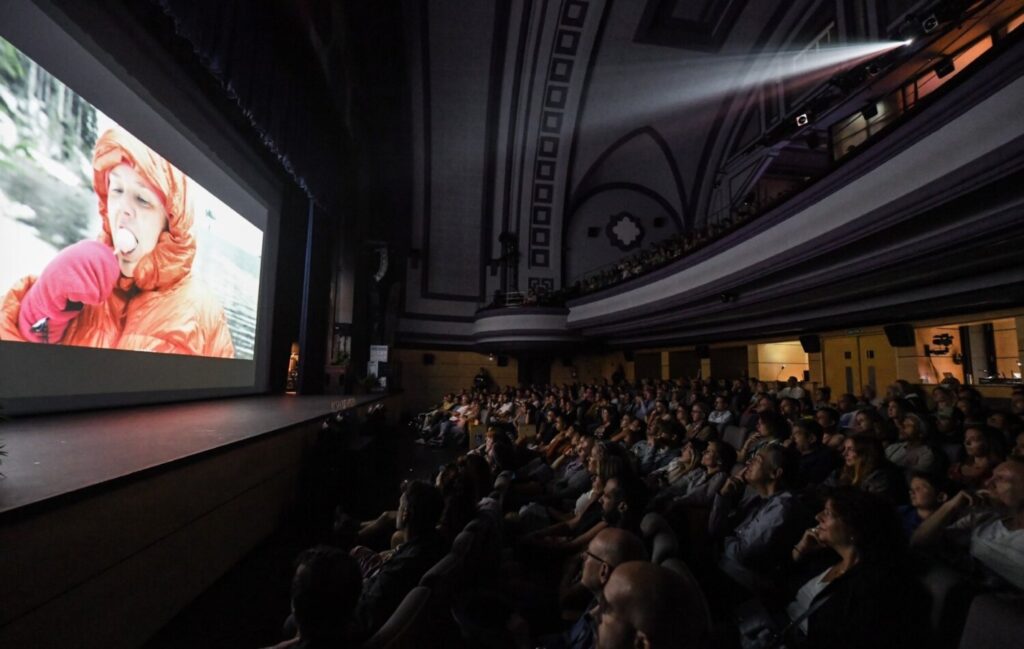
644	606
610	548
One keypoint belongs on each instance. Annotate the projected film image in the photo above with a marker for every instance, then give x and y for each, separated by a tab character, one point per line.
103	242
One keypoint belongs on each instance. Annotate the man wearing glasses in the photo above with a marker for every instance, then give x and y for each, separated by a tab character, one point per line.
610	548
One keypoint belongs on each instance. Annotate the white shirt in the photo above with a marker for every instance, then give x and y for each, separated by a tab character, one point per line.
720	418
805	597
793	393
1001	550
584	501
918	457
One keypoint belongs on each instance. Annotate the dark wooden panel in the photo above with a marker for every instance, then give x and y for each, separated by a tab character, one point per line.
729	362
648	365
683	364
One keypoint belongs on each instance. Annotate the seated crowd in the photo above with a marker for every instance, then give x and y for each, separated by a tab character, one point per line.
697	513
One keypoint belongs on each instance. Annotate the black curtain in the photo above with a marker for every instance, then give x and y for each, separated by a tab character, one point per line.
264	60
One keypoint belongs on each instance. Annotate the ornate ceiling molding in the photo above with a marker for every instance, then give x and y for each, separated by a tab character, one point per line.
702	25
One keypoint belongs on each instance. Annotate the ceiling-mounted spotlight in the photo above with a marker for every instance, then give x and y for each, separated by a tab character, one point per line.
910	29
945	68
803	119
930	24
869	111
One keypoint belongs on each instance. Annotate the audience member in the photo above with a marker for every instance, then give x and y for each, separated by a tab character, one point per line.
849	573
700	486
792	390
608	550
817	461
869	422
928	492
865	467
790	409
912	450
644	606
847	408
982	452
325	589
867	598
758	530
989	524
770	428
388	580
1018	449
831	435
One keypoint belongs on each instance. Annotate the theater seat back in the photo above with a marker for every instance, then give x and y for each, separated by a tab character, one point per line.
698	601
400	631
734	436
994	622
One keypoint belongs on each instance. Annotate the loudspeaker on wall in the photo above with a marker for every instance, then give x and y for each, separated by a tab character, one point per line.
428	359
703	351
900	335
811	344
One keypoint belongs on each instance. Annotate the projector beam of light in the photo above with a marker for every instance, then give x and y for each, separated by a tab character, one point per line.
654	88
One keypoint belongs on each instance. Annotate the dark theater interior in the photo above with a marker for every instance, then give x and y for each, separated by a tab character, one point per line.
512	324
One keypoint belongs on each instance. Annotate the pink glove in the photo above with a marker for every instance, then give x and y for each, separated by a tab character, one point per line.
83	273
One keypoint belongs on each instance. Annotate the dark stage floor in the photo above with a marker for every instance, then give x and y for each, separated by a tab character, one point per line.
54	456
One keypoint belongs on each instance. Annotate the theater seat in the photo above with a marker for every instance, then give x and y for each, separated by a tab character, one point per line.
463	543
698	600
503	481
950	594
399	632
664	546
442	573
651	524
661	537
445	580
994	622
734	436
528	431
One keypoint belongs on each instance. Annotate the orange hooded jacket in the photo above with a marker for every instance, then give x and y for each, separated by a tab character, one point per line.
162	308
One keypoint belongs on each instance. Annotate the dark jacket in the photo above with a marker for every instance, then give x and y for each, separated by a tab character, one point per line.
383	592
871	606
818	465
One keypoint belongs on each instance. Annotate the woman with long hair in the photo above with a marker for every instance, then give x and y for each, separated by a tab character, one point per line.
983	450
699	486
865	467
868	421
